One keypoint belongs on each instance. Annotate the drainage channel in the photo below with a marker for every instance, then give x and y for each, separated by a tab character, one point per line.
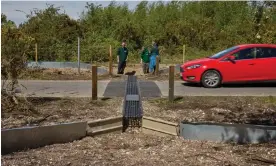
34	137
132	107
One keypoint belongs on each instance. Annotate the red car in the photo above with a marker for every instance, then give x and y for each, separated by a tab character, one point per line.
242	63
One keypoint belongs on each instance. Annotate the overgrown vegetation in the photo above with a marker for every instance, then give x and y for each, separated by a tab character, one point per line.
204	27
14	46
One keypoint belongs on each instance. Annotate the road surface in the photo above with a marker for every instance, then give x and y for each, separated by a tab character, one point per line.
106	88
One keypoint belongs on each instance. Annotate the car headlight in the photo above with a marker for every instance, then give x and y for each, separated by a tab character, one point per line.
194	66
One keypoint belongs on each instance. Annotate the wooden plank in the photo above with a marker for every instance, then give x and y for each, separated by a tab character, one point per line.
105	123
160	126
104	126
171	84
110	60
94	83
157	66
91	132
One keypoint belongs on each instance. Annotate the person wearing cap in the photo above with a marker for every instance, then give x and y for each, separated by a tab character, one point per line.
122	55
145	59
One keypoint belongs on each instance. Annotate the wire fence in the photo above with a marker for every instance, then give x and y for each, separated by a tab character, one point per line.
69	53
92	53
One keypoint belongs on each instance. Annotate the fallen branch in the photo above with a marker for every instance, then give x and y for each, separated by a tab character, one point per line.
263	160
38	120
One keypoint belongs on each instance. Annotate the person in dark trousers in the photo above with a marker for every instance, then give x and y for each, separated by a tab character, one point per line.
122	54
153	54
145	59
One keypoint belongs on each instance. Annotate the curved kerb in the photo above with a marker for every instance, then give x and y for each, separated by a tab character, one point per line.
237	133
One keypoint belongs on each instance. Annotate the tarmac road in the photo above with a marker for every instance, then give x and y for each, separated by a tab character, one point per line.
106	88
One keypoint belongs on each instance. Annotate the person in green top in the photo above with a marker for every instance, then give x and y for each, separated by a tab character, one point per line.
122	55
145	59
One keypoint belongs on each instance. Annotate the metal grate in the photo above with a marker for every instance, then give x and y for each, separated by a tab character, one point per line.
132	87
132	110
132	103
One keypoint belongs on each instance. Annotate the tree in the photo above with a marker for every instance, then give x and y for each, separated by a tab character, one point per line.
14	45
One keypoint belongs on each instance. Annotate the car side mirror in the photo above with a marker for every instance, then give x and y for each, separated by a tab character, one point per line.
231	58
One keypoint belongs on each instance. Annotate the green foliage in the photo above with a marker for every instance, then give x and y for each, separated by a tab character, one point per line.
205	27
54	32
14	45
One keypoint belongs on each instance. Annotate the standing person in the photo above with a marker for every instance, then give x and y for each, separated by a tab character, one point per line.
145	59
122	55
153	54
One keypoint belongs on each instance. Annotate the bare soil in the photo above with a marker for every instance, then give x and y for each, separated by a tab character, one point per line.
86	74
41	111
45	111
59	74
234	109
136	148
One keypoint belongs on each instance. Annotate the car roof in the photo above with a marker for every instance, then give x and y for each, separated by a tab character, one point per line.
256	45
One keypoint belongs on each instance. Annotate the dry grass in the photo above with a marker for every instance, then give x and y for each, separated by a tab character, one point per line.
86	74
135	148
43	111
254	110
59	74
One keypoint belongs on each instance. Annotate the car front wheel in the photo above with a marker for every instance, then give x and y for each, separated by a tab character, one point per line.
211	79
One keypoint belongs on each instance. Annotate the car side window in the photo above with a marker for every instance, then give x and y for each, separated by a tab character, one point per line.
244	54
265	52
272	52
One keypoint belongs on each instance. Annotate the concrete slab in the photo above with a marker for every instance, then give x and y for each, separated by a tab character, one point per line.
115	89
238	133
149	89
33	137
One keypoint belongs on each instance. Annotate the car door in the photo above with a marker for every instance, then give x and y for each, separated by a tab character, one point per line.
265	63
240	69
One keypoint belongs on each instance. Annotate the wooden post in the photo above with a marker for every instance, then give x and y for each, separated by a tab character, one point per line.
79	55
184	53
157	65
94	83
110	60
36	52
171	84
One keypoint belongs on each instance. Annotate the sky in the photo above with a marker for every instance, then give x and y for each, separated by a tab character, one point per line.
72	8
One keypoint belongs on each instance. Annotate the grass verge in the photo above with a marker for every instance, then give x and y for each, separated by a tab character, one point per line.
231	109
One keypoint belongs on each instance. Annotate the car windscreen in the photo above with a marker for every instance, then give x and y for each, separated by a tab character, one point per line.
222	53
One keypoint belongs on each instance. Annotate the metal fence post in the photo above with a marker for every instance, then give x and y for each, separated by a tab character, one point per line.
36	52
79	55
